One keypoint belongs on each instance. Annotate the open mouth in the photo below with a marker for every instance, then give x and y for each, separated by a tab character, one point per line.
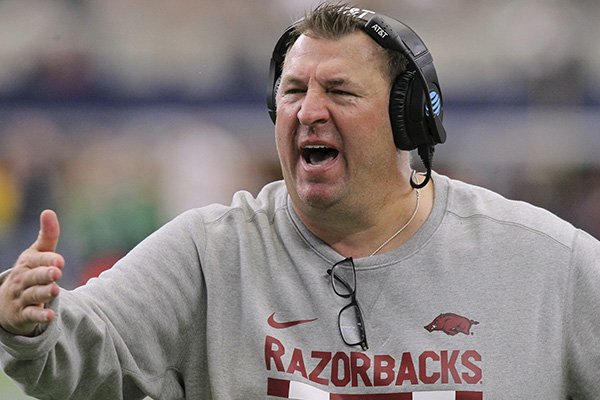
318	155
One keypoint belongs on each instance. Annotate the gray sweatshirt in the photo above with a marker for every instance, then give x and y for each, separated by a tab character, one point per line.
491	299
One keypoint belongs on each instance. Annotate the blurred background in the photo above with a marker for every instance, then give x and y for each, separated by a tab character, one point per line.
121	114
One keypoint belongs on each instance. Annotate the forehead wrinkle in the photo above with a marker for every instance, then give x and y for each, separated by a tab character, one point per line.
367	53
335	79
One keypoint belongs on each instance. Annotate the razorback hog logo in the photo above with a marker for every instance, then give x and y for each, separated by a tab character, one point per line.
451	324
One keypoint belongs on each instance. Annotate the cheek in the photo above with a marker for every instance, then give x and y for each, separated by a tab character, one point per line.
287	107
383	112
372	145
373	125
382	127
285	123
279	142
283	140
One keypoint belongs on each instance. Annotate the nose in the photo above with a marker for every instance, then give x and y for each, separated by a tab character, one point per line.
313	110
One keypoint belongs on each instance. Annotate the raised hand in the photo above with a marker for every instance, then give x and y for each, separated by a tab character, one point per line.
31	284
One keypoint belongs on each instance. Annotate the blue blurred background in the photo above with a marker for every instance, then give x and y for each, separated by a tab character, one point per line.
120	114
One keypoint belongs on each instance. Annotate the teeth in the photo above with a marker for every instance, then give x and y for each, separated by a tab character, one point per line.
316	154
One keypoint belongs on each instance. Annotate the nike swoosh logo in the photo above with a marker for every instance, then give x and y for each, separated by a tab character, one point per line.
282	325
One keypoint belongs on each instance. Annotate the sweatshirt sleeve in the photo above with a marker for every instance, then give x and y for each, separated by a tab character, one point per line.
123	335
582	322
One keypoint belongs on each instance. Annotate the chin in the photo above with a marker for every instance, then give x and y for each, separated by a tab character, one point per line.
318	196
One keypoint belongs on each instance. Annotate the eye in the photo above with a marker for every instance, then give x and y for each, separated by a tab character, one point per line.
294	91
341	92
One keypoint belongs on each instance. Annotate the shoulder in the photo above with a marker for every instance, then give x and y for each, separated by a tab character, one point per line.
217	225
244	207
477	204
271	198
587	247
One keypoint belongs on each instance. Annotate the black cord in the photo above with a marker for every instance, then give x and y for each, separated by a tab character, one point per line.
426	154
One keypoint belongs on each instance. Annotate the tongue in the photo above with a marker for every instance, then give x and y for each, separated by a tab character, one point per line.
318	157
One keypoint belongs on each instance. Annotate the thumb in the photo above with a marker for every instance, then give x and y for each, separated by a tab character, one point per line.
47	239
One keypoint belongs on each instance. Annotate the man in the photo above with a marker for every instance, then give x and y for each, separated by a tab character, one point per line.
346	281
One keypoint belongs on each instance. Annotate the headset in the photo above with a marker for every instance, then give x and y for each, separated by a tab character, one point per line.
416	103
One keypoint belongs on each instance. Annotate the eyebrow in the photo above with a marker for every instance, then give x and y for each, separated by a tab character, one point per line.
337	82
292	81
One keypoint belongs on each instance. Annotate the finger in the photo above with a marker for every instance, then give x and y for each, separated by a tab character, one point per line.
49	234
40	276
33	259
35	315
39	295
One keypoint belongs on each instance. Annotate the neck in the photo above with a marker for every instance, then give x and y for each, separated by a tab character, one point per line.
360	231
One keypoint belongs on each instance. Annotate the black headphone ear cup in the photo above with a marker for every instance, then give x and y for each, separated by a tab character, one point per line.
399	104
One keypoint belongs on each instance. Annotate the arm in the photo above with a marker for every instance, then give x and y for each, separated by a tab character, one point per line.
582	323
122	336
